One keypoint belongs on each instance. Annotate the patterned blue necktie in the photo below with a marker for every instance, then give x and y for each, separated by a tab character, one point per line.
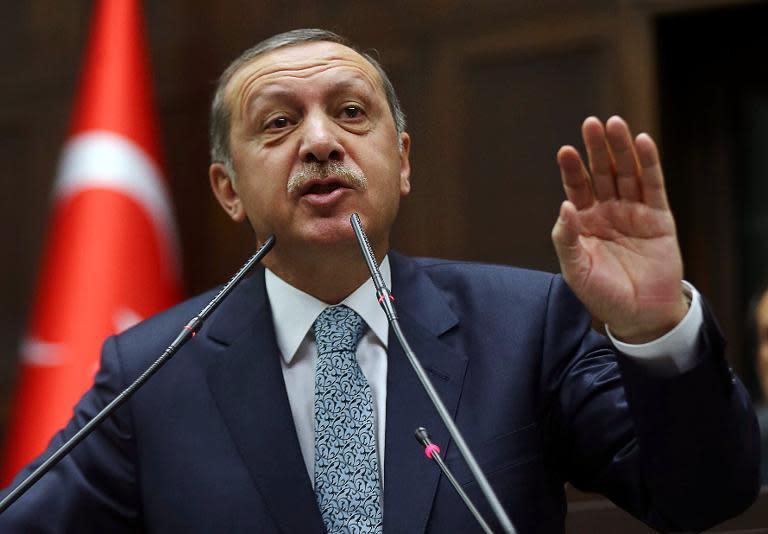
346	468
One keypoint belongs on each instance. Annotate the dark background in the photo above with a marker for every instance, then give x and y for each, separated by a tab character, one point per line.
491	89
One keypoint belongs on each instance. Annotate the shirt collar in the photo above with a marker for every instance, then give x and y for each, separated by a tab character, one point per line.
294	312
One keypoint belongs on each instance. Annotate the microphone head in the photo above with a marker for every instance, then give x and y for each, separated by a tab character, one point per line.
362	239
422	436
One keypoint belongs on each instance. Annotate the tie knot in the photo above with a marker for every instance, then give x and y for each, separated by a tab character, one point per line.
338	328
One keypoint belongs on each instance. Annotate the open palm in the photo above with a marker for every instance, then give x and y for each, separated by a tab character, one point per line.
615	236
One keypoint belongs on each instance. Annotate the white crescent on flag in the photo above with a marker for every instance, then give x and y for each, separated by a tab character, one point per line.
38	352
105	160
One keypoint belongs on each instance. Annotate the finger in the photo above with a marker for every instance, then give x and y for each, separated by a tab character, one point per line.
565	237
651	177
600	159
624	158
575	178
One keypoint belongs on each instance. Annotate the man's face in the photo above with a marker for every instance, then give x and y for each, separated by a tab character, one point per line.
761	320
312	140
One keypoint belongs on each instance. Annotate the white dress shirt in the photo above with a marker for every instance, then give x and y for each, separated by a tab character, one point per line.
294	312
676	351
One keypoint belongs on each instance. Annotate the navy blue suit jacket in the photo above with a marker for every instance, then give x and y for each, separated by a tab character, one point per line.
209	444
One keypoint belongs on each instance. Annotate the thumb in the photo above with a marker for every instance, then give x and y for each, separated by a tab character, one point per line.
565	237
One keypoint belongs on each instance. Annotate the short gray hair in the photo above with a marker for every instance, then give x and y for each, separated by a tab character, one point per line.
221	114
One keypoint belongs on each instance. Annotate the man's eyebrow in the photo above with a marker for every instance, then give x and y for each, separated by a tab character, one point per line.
278	93
354	82
271	92
267	94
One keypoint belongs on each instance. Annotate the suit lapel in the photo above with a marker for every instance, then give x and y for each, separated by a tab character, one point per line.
410	479
247	383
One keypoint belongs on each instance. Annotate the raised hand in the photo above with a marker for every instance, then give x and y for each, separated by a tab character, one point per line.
615	236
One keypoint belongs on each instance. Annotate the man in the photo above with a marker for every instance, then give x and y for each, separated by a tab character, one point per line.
263	423
759	320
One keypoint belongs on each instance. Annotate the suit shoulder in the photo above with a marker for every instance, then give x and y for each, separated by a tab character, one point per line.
484	275
148	339
174	317
492	285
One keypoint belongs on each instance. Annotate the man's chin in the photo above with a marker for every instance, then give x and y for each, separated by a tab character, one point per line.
329	233
320	234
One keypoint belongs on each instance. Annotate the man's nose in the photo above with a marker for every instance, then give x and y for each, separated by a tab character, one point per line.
320	141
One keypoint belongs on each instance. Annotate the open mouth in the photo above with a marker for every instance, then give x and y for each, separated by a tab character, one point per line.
325	193
323	189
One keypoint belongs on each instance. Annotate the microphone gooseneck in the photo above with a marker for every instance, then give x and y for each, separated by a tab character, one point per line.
383	295
385	300
187	332
432	452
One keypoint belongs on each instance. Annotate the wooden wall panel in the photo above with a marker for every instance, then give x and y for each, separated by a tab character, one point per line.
519	112
19	242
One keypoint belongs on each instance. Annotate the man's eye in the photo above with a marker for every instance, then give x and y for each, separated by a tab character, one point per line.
352	112
280	122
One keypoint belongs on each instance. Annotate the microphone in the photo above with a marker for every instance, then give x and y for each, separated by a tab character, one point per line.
385	299
432	452
383	295
187	332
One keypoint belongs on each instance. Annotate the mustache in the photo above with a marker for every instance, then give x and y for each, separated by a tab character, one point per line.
317	170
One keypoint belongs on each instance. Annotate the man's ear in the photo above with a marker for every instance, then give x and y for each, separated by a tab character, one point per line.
222	184
405	164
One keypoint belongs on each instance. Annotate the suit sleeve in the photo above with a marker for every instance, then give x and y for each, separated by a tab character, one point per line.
93	489
679	452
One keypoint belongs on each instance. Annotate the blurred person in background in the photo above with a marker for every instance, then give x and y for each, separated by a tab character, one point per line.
759	318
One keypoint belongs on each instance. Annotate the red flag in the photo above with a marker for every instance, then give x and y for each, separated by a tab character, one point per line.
111	257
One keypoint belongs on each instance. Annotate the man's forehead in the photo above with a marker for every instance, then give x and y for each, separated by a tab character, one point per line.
302	60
